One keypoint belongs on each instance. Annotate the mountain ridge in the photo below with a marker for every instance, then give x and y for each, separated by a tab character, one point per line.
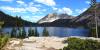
54	16
10	21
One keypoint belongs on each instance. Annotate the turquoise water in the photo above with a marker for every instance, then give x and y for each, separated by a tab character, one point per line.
57	31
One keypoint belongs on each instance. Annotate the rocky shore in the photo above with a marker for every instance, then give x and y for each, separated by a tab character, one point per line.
40	43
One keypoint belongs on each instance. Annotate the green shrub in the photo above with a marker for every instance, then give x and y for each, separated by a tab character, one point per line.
80	44
3	40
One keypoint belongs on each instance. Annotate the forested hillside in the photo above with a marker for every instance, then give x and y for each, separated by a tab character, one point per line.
10	21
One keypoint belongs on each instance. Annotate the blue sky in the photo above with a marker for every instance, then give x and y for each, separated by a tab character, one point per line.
33	10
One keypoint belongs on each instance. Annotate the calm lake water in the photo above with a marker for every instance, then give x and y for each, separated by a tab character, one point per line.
57	31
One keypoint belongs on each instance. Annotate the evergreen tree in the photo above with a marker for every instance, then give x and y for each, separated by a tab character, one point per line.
18	21
31	32
1	23
20	33
36	32
45	32
13	32
23	33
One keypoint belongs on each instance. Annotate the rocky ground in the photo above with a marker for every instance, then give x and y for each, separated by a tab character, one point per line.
40	43
36	43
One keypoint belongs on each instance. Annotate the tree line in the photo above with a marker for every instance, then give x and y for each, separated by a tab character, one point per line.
20	32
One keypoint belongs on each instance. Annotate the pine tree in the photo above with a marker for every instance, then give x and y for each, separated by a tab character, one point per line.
20	33
36	32
13	32
31	32
45	32
23	33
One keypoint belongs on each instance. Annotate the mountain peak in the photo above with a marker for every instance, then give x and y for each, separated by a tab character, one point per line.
54	16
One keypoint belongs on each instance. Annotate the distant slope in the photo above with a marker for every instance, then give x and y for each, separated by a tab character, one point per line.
57	23
10	21
88	18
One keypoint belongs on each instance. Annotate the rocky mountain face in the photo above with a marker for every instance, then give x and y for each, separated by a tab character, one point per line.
48	18
55	20
53	17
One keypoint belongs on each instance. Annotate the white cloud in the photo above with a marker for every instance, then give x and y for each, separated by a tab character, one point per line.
54	8
29	7
12	9
87	2
80	10
21	3
32	18
32	9
46	2
36	18
6	0
44	10
31	3
65	10
28	18
38	5
22	10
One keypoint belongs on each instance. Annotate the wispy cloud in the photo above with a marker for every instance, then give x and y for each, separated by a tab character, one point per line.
20	10
30	3
87	2
46	2
6	0
32	9
8	8
65	10
54	8
32	18
21	3
80	10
